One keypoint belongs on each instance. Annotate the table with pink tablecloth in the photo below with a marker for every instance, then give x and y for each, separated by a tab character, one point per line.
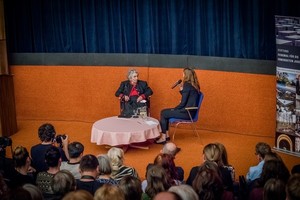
116	131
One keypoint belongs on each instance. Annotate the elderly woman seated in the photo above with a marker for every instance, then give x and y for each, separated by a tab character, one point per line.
133	93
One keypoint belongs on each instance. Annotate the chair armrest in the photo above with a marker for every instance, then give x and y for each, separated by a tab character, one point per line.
191	108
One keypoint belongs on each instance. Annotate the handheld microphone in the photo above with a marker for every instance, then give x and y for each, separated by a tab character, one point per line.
177	83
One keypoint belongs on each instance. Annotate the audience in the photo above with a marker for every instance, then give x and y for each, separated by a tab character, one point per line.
75	150
44	179
17	194
3	187
274	189
78	195
295	169
167	196
167	162
89	169
261	149
34	191
212	153
272	156
63	183
107	177
22	171
186	192
271	169
208	183
105	171
131	187
171	149
109	192
119	170
223	160
46	134
293	187
157	181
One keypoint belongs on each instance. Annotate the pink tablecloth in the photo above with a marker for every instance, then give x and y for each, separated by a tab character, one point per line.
116	131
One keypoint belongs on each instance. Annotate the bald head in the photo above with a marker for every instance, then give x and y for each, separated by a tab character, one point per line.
170	148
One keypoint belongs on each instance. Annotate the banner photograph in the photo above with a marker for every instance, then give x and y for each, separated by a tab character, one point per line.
288	90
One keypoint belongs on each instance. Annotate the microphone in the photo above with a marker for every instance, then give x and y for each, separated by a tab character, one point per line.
177	83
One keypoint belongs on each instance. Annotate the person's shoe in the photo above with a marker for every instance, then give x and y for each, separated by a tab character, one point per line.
168	139
161	140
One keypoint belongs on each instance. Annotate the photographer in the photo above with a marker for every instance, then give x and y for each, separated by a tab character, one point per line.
46	133
6	164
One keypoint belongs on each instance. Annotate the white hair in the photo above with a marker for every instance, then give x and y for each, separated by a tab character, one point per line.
116	157
131	72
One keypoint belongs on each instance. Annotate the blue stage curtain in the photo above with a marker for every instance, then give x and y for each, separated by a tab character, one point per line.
224	28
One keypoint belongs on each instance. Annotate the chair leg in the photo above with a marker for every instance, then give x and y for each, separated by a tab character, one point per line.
174	132
194	129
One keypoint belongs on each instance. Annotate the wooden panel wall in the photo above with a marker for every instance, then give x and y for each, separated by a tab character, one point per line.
8	121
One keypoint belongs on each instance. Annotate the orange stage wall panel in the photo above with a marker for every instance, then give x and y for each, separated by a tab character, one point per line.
233	102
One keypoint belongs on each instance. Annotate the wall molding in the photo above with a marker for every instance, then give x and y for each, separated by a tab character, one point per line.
148	60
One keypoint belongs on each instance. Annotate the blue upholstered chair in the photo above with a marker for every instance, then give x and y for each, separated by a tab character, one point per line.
192	120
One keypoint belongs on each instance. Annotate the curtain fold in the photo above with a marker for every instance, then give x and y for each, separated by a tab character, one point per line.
222	28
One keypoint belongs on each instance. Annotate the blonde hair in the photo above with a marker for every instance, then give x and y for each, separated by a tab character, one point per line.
116	157
108	192
212	152
78	195
190	76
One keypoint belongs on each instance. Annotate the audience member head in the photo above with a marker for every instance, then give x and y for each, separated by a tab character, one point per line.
104	165
21	157
273	169
272	156
34	191
75	149
167	196
52	157
211	152
186	192
133	75
167	162
261	149
109	192
157	180
89	163
131	187
17	194
3	187
295	169
223	160
274	189
63	182
46	132
170	148
208	182
293	187
116	157
190	76
78	195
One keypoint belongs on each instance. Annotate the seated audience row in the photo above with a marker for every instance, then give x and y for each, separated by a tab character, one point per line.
62	173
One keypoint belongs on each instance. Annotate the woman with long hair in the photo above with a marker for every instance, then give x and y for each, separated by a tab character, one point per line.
189	98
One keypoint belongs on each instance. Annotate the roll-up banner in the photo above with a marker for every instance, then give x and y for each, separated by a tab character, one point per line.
287	137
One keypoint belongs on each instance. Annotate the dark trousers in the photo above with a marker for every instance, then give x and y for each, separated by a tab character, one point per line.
168	113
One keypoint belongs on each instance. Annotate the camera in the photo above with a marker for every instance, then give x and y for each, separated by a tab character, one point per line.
59	138
5	141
